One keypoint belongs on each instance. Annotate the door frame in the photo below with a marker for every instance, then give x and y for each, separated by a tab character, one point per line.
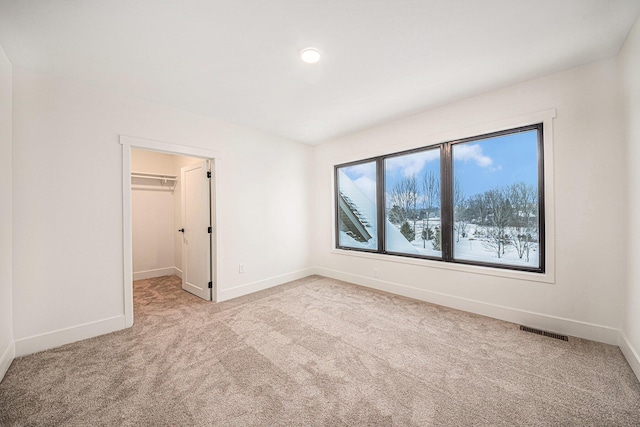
131	142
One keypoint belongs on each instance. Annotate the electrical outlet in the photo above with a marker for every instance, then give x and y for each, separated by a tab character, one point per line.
240	268
376	273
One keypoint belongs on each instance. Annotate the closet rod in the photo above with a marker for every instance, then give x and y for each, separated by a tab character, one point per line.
154	176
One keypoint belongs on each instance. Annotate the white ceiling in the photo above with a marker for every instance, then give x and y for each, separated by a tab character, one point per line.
237	60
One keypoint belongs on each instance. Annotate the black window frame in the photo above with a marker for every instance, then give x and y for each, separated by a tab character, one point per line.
379	198
446	201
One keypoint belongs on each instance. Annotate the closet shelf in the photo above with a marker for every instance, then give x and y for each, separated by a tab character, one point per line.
153	181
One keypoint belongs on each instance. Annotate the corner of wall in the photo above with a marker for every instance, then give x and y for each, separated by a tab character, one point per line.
629	67
6	359
7	345
632	356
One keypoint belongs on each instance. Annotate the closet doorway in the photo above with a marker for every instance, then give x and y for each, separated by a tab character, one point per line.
171	216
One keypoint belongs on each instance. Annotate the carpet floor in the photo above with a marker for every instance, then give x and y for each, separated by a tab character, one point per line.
317	351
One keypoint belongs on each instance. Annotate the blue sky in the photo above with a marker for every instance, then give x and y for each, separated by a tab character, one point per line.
478	166
505	160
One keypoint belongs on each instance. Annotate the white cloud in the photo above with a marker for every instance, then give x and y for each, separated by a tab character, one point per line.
364	169
411	164
466	152
367	186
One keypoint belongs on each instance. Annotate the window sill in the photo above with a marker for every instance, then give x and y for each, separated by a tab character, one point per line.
547	277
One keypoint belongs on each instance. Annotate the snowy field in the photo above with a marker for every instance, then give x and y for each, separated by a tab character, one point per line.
469	248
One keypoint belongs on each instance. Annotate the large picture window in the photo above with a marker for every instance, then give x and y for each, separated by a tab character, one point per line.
478	200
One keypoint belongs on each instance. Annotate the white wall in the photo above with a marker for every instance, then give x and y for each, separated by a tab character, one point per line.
68	241
152	217
6	296
152	162
586	297
630	71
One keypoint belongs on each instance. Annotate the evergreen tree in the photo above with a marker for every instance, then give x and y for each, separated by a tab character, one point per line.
407	231
427	234
437	244
395	215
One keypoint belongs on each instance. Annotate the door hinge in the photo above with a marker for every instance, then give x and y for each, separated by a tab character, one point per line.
210	285
209	229
208	174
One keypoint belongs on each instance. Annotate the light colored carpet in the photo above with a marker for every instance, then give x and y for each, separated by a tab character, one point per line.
317	352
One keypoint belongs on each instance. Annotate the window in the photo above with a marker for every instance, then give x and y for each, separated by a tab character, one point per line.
357	206
475	201
412	202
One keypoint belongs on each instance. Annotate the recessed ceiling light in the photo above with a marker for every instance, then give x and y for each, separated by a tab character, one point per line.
310	55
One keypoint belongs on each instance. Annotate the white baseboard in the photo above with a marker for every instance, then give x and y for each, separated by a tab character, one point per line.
158	272
249	288
177	272
630	353
6	359
60	337
545	322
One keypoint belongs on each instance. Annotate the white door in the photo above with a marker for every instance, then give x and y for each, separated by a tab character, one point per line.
196	232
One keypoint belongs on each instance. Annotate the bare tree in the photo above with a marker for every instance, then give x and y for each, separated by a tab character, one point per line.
405	195
430	199
494	240
459	205
524	200
478	209
414	196
500	214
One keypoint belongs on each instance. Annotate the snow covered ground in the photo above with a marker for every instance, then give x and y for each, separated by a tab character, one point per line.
471	248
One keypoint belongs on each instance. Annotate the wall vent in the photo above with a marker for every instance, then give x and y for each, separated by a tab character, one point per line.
544	333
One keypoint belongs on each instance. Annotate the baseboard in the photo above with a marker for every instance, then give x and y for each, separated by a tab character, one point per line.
177	272
249	288
6	359
560	325
158	272
60	337
630	353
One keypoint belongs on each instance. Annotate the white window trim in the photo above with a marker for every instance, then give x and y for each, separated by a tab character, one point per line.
131	142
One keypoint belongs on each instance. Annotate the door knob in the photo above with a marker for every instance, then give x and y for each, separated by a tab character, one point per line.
181	230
